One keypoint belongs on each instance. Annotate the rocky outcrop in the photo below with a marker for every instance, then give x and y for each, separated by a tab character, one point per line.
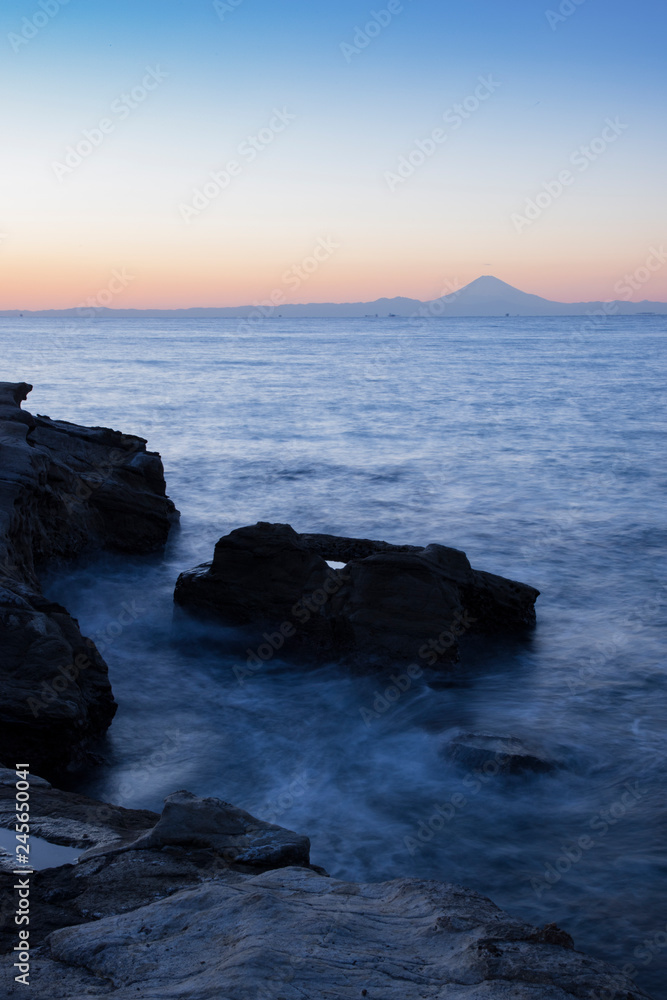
389	603
64	490
130	857
184	920
498	754
234	834
56	694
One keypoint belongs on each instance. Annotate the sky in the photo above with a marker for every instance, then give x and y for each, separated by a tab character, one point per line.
175	153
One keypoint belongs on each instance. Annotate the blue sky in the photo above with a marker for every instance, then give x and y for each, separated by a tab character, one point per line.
328	174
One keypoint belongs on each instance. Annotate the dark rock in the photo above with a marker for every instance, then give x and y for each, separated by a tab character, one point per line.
336	548
64	490
56	694
499	603
552	934
390	602
258	575
188	821
507	754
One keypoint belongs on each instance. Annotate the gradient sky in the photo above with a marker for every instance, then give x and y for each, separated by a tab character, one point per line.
324	176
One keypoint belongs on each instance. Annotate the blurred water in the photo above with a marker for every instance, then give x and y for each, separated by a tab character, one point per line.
535	448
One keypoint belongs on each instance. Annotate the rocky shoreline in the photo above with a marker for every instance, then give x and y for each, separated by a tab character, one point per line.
65	490
206	901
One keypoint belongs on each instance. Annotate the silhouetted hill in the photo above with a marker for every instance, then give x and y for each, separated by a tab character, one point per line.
486	296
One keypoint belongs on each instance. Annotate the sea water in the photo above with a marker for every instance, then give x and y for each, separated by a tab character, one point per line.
537	447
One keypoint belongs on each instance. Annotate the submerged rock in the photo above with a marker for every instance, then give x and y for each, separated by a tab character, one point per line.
64	490
502	754
389	603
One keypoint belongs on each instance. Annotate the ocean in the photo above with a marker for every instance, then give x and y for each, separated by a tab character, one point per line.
537	447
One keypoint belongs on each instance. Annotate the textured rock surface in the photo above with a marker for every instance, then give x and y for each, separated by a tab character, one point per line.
66	895
159	914
54	684
258	575
64	490
233	833
292	933
508	754
131	857
389	603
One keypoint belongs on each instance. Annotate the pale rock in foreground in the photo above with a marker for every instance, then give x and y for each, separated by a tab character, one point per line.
192	906
291	933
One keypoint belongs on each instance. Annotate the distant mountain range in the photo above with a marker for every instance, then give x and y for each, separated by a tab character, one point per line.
486	296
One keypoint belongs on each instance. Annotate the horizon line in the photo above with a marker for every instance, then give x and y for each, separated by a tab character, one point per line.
93	304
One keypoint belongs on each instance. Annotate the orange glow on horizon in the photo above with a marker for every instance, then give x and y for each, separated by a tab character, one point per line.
145	280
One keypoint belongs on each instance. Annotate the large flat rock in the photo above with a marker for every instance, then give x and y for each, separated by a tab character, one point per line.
292	933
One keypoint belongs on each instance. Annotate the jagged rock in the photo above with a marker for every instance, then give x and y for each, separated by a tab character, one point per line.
337	548
190	821
502	754
258	575
65	895
291	933
130	857
55	688
64	490
97	828
389	603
